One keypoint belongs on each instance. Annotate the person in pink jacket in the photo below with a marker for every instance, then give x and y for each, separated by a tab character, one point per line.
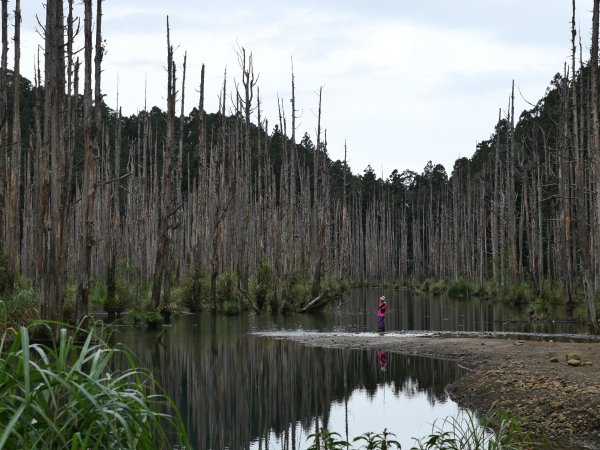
381	310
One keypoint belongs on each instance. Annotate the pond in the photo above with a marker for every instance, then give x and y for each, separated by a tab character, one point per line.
238	389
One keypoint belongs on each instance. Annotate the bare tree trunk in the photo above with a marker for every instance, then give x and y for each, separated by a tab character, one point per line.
319	220
14	189
53	280
590	297
3	127
91	126
166	204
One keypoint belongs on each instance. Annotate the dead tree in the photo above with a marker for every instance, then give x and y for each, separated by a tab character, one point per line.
595	127
14	188
92	122
167	209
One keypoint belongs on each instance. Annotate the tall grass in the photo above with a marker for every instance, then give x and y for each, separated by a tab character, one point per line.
18	308
67	395
465	432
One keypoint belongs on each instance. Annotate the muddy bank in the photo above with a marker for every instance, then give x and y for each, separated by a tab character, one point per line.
529	378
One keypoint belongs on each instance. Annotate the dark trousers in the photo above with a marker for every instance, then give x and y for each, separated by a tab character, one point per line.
381	323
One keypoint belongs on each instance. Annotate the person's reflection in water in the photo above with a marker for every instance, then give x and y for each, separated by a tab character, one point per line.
383	359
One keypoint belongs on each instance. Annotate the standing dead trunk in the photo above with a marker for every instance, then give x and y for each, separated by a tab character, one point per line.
91	126
3	126
55	191
590	297
14	188
167	210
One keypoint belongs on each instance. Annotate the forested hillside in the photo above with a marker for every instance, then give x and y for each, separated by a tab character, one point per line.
169	196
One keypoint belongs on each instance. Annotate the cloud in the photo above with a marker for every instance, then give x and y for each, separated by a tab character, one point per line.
404	82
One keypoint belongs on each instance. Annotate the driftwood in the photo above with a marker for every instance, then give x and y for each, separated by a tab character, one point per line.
318	302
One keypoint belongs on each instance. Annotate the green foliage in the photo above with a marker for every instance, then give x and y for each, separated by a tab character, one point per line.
153	319
69	304
438	288
518	293
382	441
66	396
464	432
183	294
552	292
230	308
327	440
260	286
135	318
18	309
298	294
459	289
126	284
488	289
414	285
98	293
227	287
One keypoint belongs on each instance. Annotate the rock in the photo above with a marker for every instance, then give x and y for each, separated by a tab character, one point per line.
569	356
554	359
574	362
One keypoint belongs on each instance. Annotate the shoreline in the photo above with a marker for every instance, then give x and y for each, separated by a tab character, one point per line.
527	378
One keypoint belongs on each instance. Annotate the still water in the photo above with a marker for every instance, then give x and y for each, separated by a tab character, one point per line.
238	389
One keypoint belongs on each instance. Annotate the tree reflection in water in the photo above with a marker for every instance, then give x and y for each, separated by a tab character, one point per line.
237	390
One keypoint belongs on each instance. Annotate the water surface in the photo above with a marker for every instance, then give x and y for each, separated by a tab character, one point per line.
238	389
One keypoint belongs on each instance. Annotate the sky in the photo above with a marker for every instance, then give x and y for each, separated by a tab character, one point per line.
404	81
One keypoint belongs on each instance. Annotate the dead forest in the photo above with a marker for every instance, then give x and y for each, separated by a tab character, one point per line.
88	195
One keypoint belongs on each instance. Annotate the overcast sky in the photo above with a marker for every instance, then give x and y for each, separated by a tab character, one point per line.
404	81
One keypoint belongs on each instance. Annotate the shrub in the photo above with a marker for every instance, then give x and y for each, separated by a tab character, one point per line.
20	308
230	308
464	432
227	287
126	284
98	292
183	294
260	286
66	396
552	292
299	294
153	319
438	288
459	289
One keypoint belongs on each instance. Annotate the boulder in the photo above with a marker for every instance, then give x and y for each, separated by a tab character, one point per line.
574	362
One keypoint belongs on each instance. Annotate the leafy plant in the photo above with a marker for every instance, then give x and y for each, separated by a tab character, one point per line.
260	286
227	287
381	441
327	440
67	396
19	308
459	289
191	292
230	308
